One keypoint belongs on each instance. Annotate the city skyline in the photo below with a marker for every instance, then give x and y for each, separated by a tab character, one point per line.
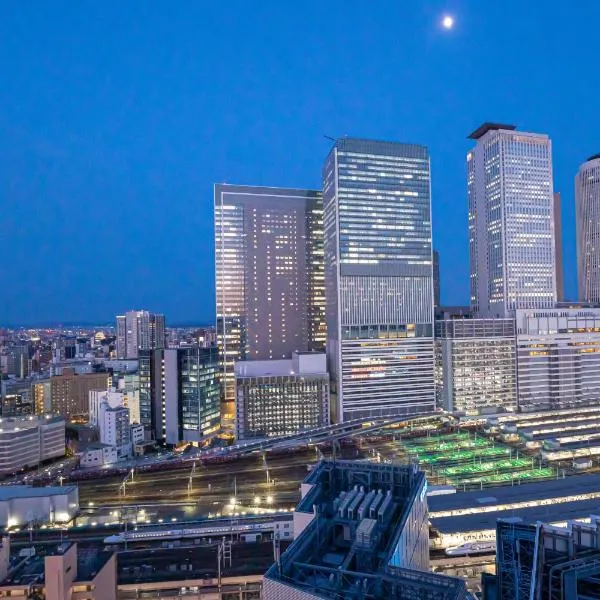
93	155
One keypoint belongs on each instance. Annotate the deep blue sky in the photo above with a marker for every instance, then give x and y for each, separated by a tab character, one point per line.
116	118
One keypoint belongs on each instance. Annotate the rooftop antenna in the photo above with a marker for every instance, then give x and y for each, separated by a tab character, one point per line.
328	137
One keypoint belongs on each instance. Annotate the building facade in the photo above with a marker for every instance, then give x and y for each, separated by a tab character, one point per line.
281	397
558	358
180	393
511	221
269	276
587	211
378	274
139	330
437	302
558	249
476	369
70	391
27	441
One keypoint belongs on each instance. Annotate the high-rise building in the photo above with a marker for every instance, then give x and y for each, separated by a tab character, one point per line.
281	397
378	274
436	279
587	209
269	276
476	365
558	358
558	249
180	393
511	221
139	330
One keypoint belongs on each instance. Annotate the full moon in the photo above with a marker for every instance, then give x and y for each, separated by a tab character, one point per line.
448	22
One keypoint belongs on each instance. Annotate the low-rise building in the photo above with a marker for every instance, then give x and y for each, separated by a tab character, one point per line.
361	530
476	365
68	573
279	397
99	455
27	441
23	504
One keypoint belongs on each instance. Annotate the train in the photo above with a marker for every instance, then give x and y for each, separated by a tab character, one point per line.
472	548
247	527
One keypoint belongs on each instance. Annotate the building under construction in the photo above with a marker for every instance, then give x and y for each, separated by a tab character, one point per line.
361	531
545	562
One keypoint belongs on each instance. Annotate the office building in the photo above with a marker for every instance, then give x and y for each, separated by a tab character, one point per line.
280	397
269	276
587	211
511	221
64	573
436	280
70	391
539	560
558	358
180	393
378	274
139	330
360	531
558	249
476	365
27	441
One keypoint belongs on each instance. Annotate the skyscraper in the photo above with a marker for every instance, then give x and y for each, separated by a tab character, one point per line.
511	221
558	251
436	279
139	330
587	209
269	276
378	275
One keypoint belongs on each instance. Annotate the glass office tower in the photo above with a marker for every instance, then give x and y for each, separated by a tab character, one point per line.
269	277
378	274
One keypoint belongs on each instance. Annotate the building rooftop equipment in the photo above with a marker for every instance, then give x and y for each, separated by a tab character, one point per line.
361	530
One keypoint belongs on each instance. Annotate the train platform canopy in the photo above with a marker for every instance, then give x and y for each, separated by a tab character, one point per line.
472	516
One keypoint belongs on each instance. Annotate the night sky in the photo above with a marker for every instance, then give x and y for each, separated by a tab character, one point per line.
116	118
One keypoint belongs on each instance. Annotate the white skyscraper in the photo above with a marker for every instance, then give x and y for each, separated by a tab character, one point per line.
587	208
378	278
511	221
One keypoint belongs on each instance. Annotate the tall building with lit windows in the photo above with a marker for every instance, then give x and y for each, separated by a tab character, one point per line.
587	208
378	275
269	277
511	221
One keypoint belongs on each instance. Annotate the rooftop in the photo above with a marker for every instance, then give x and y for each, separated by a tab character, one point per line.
539	490
13	492
488	126
31	571
366	536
